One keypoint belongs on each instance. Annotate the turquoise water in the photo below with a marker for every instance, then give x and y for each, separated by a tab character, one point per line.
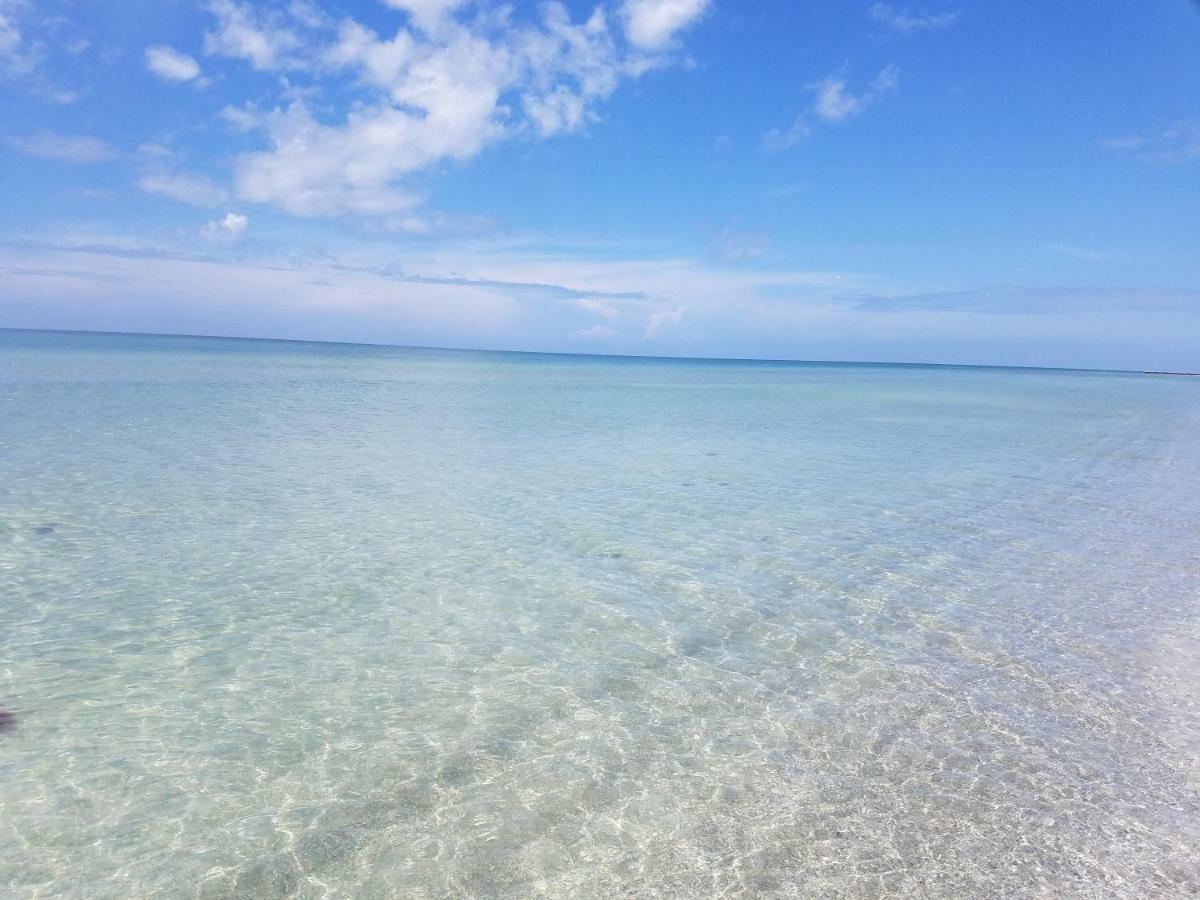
343	621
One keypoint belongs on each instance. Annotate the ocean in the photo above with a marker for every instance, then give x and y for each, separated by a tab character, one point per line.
319	620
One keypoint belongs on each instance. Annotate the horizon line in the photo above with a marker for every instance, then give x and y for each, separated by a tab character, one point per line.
626	356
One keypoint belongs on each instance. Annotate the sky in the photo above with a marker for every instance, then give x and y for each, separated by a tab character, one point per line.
1008	182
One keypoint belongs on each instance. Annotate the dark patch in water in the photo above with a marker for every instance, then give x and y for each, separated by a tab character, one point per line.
48	528
8	720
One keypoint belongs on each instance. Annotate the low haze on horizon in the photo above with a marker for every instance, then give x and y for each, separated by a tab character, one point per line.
951	182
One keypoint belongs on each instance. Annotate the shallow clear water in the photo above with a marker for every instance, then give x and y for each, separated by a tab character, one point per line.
322	620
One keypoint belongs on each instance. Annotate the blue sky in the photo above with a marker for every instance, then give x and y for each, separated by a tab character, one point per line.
1008	182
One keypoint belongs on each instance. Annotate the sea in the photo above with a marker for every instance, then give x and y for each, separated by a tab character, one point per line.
326	620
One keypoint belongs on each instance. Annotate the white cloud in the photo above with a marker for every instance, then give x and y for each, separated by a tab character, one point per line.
428	15
319	170
653	24
17	55
906	22
663	318
63	148
506	294
834	103
244	118
171	64
261	36
195	190
25	34
441	90
10	39
231	227
562	110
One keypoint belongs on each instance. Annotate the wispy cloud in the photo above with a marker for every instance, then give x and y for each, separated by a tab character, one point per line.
195	190
503	297
781	139
592	333
607	310
26	37
836	103
663	318
1018	300
833	102
784	191
735	246
907	22
17	56
1077	252
63	148
1177	144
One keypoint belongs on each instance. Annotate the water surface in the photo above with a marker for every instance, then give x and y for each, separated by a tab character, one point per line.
330	621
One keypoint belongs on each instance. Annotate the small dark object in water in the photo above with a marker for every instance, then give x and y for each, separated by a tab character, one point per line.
48	528
7	720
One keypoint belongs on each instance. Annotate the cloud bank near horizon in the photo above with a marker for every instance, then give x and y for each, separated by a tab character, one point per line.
516	299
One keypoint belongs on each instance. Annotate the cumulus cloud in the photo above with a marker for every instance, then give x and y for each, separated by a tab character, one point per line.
171	64
232	227
653	24
441	88
63	148
195	190
321	170
256	33
428	15
835	103
907	22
